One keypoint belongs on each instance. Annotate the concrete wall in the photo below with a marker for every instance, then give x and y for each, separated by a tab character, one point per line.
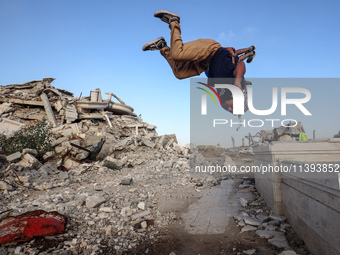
311	201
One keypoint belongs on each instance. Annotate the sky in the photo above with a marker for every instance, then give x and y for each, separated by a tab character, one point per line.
98	44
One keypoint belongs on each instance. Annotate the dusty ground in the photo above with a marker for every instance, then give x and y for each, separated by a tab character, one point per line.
170	231
176	240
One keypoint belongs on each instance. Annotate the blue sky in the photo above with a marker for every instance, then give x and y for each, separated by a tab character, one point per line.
98	44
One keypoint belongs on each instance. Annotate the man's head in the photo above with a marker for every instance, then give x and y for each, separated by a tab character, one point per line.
229	103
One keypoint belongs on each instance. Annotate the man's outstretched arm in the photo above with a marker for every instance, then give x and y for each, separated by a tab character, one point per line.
239	72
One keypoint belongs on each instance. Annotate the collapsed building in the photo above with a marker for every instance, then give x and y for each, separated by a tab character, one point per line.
85	127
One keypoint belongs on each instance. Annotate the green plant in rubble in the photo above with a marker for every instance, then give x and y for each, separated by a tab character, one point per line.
34	136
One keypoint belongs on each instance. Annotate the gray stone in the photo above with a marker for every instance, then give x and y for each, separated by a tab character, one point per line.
106	209
271	228
274	223
14	157
251	221
268	234
243	202
29	160
262	218
277	217
48	155
241	223
126	181
94	201
144	224
279	241
63	175
140	214
48	169
30	151
248	228
141	205
18	250
288	253
243	186
249	252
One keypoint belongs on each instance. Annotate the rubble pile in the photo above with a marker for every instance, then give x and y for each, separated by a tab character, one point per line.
104	171
257	217
283	133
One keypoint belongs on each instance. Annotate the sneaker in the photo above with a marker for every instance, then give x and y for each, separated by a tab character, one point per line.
251	48
157	44
251	57
167	17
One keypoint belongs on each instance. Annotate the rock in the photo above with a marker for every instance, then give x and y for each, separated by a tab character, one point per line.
262	218
140	214
94	201
49	155
268	234
14	157
277	217
126	181
251	221
30	151
248	228
271	228
241	223
48	169
285	138
243	186
243	202
29	160
18	250
63	175
141	205
279	241
274	223
288	253
144	224
106	209
249	252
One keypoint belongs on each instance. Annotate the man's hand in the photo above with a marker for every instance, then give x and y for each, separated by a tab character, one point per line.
238	83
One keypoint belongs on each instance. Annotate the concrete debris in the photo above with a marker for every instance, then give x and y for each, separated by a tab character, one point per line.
243	202
94	201
97	145
248	228
249	252
279	241
9	127
288	253
259	218
282	133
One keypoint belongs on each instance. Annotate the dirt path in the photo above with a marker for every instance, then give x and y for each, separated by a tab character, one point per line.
207	225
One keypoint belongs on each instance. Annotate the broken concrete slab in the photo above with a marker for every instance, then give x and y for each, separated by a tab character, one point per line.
94	201
268	234
248	228
4	107
279	241
10	127
30	151
148	143
30	161
14	157
48	109
140	215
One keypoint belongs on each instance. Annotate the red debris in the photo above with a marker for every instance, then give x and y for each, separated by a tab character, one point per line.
31	224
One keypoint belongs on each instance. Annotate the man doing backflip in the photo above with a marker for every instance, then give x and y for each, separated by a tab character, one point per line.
202	55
